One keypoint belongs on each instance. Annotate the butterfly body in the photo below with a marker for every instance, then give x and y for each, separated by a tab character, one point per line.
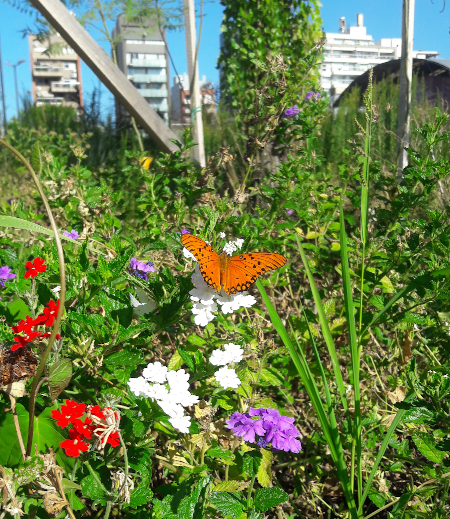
232	274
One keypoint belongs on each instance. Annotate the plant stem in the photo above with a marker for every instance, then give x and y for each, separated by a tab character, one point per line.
249	495
125	460
62	294
17	425
108	509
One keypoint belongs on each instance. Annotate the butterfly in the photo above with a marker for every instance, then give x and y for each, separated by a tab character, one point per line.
145	162
234	274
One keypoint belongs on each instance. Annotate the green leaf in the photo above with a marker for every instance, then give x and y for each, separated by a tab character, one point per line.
224	455
29	471
36	159
91	488
272	377
83	258
196	340
265	469
129	357
228	486
251	462
18	223
227	503
427	446
188	359
175	362
141	495
267	498
59	376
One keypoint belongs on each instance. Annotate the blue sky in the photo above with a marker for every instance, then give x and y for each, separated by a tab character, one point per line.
382	19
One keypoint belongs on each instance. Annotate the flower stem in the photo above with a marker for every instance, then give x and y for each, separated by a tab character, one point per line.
17	425
125	460
249	495
62	294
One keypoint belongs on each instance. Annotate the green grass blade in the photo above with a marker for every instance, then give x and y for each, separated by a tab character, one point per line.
326	419
355	353
325	331
18	223
382	450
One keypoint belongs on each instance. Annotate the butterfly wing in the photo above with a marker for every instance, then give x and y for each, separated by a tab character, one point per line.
243	270
207	257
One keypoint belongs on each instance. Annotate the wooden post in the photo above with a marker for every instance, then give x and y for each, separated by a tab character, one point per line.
196	109
101	64
404	102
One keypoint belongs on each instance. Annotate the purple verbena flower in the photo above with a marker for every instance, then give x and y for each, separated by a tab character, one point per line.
269	425
291	111
73	234
185	231
5	274
140	269
243	425
289	212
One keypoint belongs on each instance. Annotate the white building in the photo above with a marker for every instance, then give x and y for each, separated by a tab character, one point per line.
351	51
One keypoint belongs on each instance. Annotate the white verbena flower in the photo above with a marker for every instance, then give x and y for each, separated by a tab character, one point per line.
231	303
203	313
239	242
178	380
232	353
171	408
155	372
229	248
188	255
184	398
445	376
227	377
56	290
157	392
221	235
138	386
181	423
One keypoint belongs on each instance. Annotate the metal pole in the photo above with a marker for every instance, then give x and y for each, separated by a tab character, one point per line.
404	102
17	89
2	87
196	109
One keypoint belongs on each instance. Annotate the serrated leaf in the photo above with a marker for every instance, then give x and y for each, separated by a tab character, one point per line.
251	462
175	362
229	486
29	471
265	471
59	376
427	446
129	356
68	485
91	488
227	503
196	340
387	286
260	64
312	234
272	377
223	455
141	495
267	498
188	358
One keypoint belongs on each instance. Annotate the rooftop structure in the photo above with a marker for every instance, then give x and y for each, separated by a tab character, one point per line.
181	99
55	72
143	57
351	51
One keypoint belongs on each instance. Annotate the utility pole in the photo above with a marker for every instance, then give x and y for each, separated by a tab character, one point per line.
194	93
15	80
2	88
404	104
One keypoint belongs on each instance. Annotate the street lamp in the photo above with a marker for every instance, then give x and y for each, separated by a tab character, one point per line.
15	80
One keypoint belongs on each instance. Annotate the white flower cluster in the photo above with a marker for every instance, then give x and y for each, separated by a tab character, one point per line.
226	376
371	212
233	246
173	400
206	298
232	353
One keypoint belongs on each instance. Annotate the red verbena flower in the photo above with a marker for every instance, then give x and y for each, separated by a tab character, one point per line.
48	316
69	413
35	267
75	444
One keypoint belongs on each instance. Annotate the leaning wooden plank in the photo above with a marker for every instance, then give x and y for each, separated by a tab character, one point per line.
101	64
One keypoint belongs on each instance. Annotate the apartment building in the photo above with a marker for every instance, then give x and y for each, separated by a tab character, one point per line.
55	73
351	51
143	57
181	98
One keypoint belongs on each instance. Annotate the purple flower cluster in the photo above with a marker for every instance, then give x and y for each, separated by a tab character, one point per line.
185	231
140	269
313	95
291	111
73	234
5	274
269	425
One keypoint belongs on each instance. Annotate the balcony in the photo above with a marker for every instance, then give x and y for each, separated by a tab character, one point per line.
153	92
161	107
148	78
46	71
147	63
41	101
60	86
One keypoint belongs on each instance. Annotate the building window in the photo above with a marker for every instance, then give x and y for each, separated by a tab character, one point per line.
145	42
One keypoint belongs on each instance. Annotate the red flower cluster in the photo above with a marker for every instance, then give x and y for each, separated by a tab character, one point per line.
47	318
103	424
35	267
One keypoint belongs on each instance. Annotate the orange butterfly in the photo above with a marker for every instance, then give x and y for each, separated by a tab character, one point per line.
234	274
